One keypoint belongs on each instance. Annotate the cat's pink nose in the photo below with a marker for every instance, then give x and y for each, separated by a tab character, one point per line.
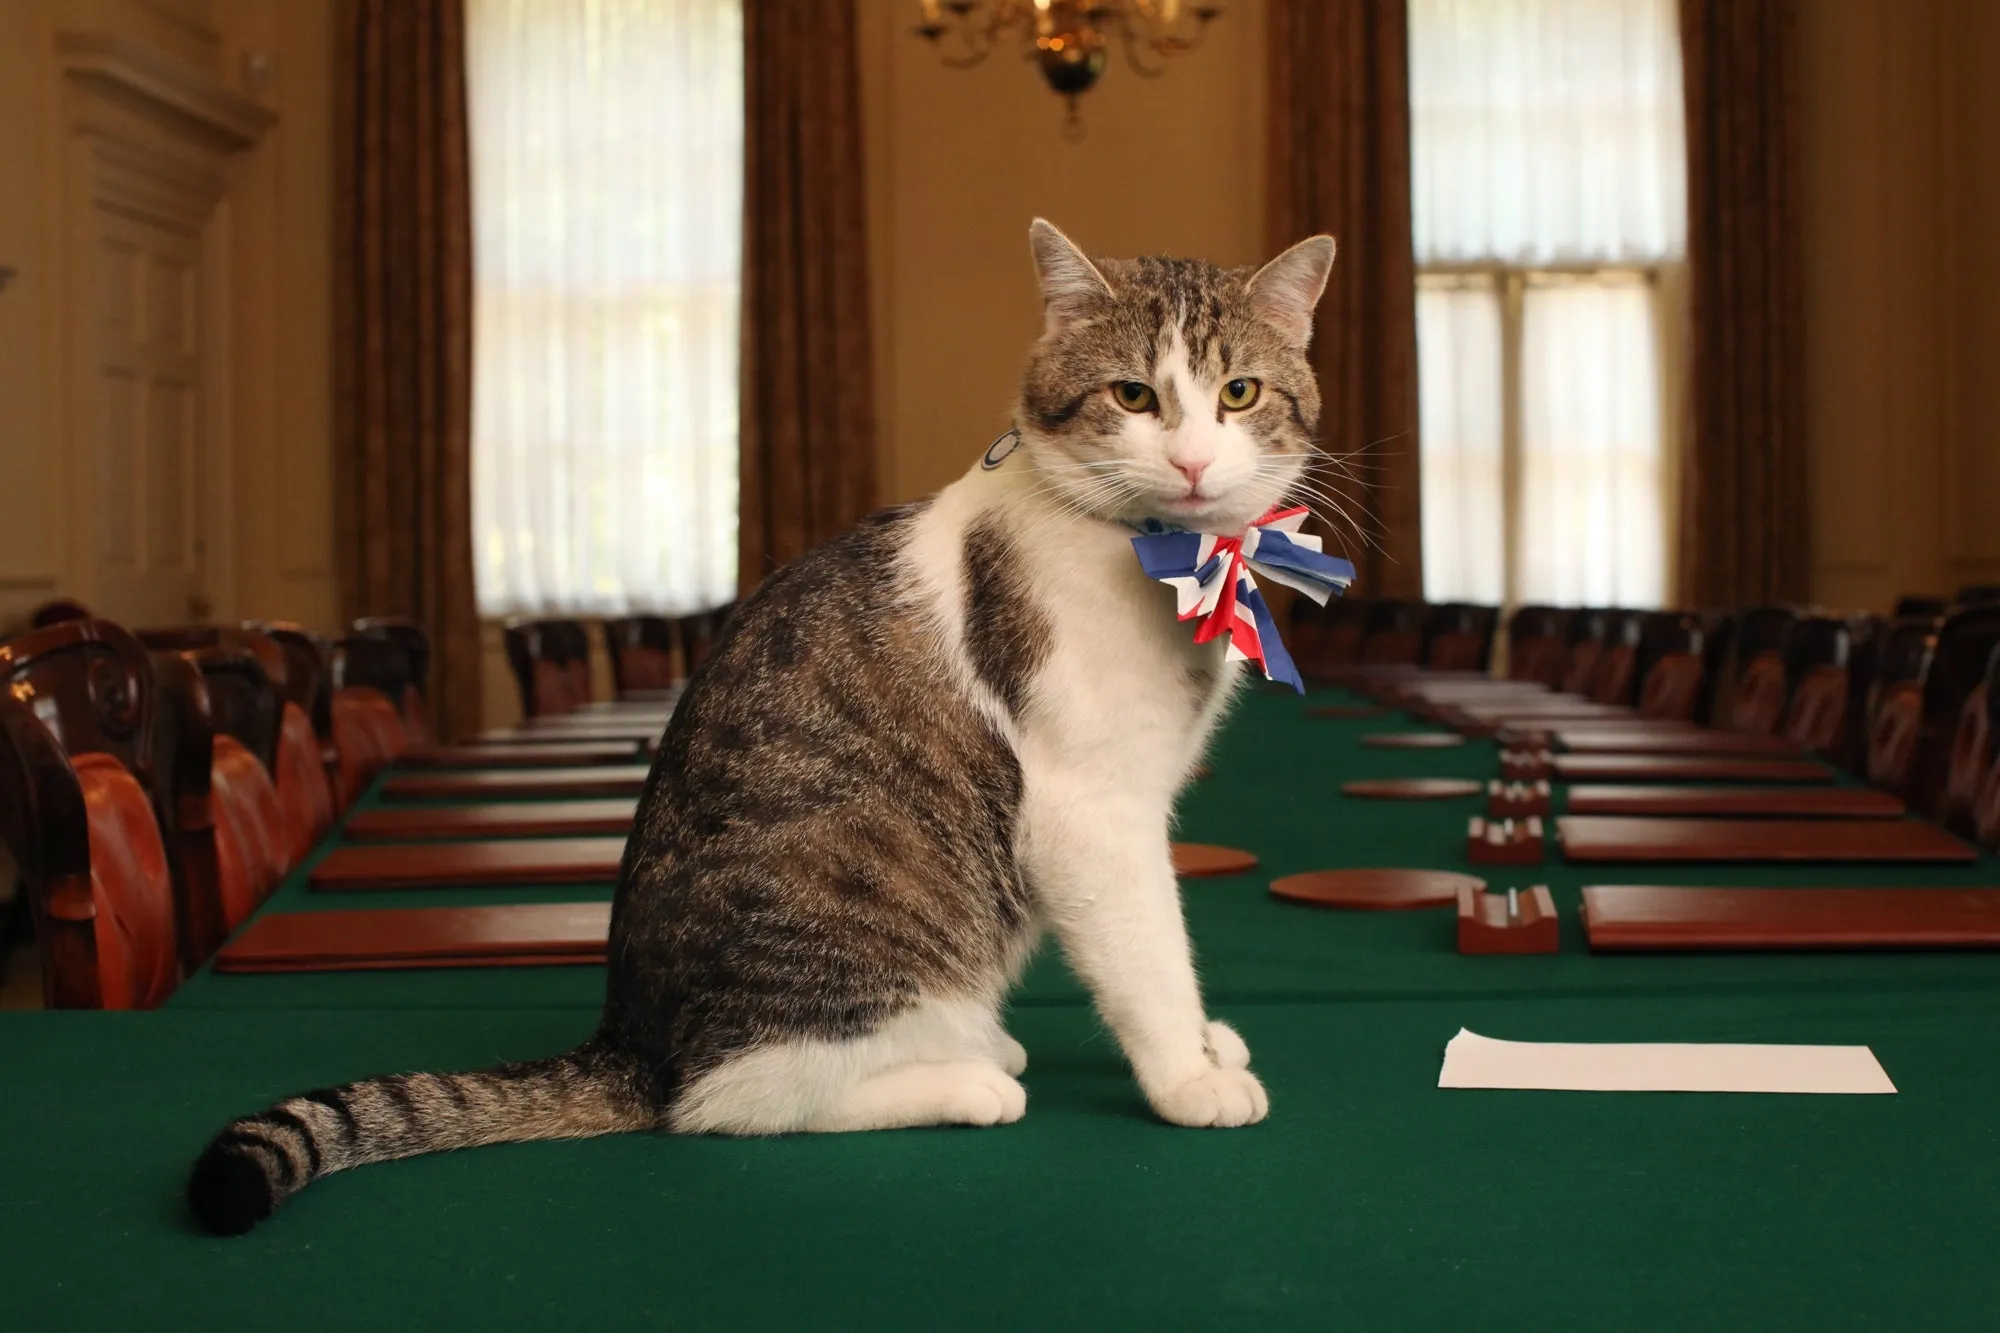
1193	471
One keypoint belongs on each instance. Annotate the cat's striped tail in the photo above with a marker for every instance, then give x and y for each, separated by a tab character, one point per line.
258	1162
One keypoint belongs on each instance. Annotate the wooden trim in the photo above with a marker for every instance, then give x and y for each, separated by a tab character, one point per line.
128	71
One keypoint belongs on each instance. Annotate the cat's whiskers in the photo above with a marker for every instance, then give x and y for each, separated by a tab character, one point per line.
1338	520
1329	465
1317	499
1104	480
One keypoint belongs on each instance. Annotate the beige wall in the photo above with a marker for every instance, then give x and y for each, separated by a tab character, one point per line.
960	161
284	472
264	247
1901	112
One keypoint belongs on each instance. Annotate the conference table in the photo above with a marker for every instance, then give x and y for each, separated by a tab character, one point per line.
1370	1198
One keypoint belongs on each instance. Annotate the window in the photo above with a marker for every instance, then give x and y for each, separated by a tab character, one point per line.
607	191
1549	213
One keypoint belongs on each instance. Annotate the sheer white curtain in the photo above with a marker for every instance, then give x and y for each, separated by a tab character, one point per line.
607	187
1548	198
1593	514
1459	400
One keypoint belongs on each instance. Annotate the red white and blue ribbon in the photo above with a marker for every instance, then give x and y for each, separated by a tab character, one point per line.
1211	578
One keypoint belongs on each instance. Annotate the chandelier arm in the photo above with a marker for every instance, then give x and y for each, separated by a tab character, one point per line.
974	55
975	40
1132	43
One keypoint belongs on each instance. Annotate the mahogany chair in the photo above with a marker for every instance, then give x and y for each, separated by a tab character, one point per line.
551	665
1956	736
1306	624
416	642
1718	641
1671	665
699	633
1895	710
56	611
1986	817
307	761
1828	665
1393	634
236	845
645	655
1589	631
1458	636
576	653
1324	640
1538	645
369	734
245	671
79	810
1616	677
1756	683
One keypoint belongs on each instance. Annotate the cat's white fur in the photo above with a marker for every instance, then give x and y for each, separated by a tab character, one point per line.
1106	742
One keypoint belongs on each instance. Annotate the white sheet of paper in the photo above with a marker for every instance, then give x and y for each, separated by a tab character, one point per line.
1473	1061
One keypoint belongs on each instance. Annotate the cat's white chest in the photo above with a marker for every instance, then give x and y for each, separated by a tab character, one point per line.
1125	685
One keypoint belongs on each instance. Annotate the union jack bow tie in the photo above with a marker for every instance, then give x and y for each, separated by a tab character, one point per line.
1210	575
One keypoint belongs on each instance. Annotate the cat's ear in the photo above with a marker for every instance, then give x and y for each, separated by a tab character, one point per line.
1284	291
1072	288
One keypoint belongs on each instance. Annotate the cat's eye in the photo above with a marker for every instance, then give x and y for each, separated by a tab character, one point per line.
1134	396
1239	394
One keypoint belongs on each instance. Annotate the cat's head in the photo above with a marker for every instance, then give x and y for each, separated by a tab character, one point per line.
1170	388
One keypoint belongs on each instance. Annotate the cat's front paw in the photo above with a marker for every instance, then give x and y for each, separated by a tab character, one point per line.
1225	1049
1214	1099
1013	1055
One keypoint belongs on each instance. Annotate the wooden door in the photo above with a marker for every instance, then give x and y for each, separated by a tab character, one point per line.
146	400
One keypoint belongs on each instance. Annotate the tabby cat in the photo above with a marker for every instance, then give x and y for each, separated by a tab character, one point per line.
909	753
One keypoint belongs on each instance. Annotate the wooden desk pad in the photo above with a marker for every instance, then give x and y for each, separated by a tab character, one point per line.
567	754
1553	708
634	701
615	780
516	936
1480	691
1619	726
1616	838
451	865
1741	802
634	724
1694	741
1633	917
1375	890
1410	789
632	737
1684	768
1194	859
1413	740
498	819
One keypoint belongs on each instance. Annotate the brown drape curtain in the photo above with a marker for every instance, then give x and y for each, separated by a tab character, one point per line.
403	338
808	410
1340	163
1744	503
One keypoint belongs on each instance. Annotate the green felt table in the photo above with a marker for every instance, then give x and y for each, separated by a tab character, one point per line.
1369	1199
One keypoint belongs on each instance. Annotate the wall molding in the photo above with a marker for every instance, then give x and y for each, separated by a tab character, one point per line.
127	72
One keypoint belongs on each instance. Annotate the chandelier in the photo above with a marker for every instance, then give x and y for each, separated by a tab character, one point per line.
1068	40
